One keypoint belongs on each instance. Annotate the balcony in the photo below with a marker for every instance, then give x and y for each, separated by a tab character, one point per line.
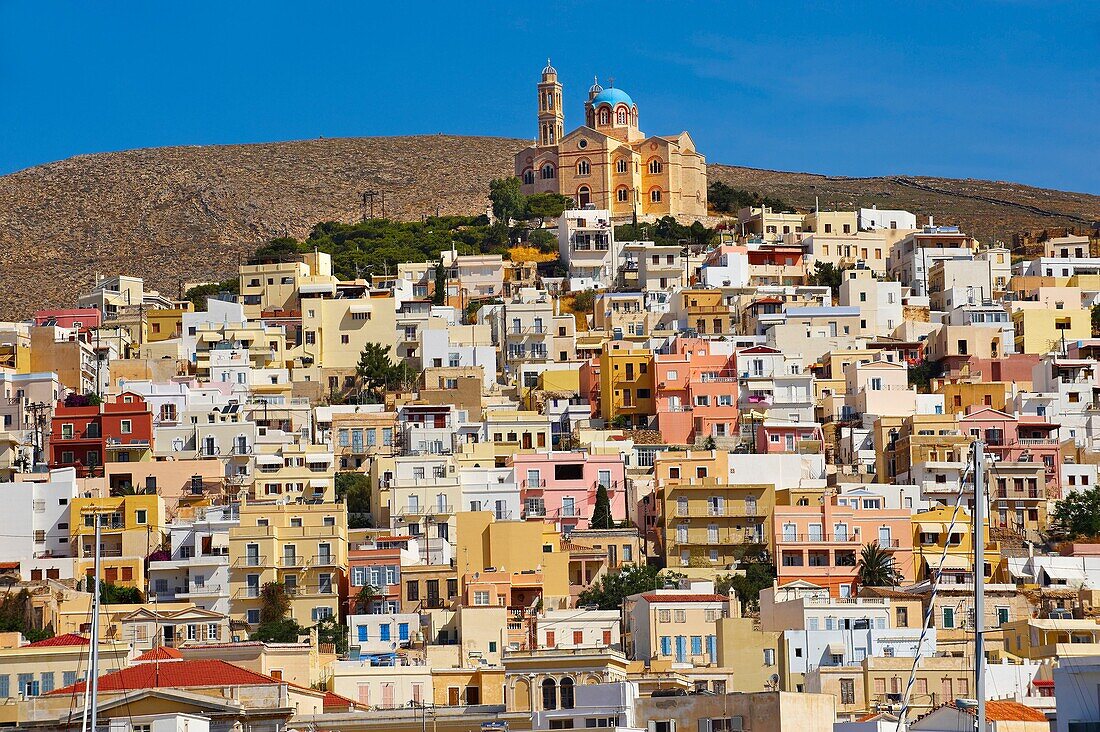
820	539
292	562
255	561
324	590
214	590
247	593
436	510
323	560
1038	441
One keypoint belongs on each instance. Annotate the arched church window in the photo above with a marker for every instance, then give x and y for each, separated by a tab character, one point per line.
584	168
528	176
547	171
566	693
655	195
622	194
605	116
621	166
584	196
655	166
549	695
620	116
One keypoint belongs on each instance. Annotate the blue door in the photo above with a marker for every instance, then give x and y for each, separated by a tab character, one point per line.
681	649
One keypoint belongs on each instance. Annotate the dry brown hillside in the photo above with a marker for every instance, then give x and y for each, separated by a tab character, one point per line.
175	213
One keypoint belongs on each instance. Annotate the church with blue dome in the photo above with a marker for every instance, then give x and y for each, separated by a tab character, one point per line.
608	163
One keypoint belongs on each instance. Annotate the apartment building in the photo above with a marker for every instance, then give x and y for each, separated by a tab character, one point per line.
586	245
677	625
34	530
196	568
561	487
131	529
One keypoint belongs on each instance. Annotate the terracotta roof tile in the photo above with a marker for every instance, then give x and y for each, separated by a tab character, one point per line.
160	653
686	597
180	674
68	639
1006	711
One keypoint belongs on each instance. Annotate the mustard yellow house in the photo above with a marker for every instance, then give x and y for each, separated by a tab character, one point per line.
131	528
626	384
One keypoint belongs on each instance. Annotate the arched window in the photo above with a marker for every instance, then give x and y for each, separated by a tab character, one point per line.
584	196
622	166
655	166
605	116
549	695
583	167
655	195
528	176
620	116
623	194
566	691
547	171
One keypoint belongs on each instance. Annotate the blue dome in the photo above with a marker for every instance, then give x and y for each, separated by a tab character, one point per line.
612	96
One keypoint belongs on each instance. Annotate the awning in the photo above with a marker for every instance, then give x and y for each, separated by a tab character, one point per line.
318	483
313	288
1069	575
951	561
219	540
269	460
836	649
210	336
927	527
360	306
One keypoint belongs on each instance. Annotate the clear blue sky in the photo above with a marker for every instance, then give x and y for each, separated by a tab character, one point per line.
1002	90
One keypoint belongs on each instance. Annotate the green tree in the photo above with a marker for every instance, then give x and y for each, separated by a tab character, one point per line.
1095	321
16	615
330	631
112	594
827	274
365	598
439	293
601	512
544	206
584	302
274	602
377	373
283	249
1076	516
507	200
353	488
726	199
877	567
200	294
285	630
630	579
542	240
922	374
757	576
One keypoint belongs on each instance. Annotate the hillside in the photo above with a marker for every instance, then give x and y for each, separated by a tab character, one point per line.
189	213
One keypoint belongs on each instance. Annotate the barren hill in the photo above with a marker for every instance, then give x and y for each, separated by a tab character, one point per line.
188	213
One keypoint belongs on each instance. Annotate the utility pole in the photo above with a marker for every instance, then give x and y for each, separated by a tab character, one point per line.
91	688
978	539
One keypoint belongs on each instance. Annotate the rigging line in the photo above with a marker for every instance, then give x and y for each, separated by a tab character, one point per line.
930	612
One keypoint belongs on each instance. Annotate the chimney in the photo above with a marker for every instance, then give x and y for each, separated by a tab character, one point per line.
930	220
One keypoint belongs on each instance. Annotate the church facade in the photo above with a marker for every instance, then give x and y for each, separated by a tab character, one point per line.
609	162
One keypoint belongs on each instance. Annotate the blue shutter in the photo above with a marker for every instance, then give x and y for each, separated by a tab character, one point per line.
666	645
403	631
362	634
384	632
681	649
712	648
47	682
5	686
696	645
68	677
24	684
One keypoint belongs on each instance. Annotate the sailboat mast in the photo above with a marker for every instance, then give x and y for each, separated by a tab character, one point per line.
978	539
91	688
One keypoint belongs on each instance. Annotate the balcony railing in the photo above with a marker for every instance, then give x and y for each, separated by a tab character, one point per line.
818	538
291	562
256	561
247	593
433	510
311	590
323	560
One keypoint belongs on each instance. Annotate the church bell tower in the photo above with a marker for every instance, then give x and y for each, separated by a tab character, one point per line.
551	116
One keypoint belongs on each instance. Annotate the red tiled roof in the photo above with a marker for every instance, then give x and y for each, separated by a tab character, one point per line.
657	597
1006	711
160	653
9	565
181	674
68	639
1044	683
335	702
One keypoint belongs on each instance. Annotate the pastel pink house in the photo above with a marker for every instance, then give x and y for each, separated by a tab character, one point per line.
821	543
804	438
1026	439
696	391
82	319
561	487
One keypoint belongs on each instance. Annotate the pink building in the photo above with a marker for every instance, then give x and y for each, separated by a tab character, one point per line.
1024	439
589	380
822	543
804	438
696	392
560	487
83	319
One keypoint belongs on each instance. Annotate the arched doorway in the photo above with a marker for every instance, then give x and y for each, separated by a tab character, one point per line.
584	196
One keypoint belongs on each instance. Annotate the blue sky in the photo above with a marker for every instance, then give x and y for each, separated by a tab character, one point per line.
1001	90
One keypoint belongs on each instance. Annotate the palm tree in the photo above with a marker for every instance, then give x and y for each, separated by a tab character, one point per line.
876	567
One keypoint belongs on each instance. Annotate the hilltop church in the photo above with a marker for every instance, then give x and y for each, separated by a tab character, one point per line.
609	162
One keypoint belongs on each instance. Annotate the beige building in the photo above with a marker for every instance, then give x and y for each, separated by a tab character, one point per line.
609	162
303	547
771	711
275	286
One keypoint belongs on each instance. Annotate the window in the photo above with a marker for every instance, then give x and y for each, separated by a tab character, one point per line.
621	166
948	617
620	116
622	195
655	167
412	590
547	171
769	656
655	195
847	691
481	597
584	167
528	177
141	516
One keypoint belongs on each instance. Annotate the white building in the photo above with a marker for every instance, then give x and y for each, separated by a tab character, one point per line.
490	489
586	243
383	633
874	218
198	569
442	344
1080	711
34	527
608	706
579	628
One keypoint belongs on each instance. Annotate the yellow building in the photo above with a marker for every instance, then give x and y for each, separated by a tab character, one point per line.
626	384
609	162
266	344
296	470
302	546
459	687
517	546
335	332
1042	639
32	669
274	286
922	439
513	431
957	396
1042	330
709	521
752	653
933	533
131	528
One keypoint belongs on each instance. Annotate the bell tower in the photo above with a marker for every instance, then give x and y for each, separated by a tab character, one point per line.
551	116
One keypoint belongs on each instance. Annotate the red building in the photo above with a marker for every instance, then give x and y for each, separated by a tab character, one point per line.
377	563
82	319
86	437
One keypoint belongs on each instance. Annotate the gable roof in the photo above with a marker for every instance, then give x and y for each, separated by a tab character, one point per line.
68	639
1005	711
160	653
180	674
